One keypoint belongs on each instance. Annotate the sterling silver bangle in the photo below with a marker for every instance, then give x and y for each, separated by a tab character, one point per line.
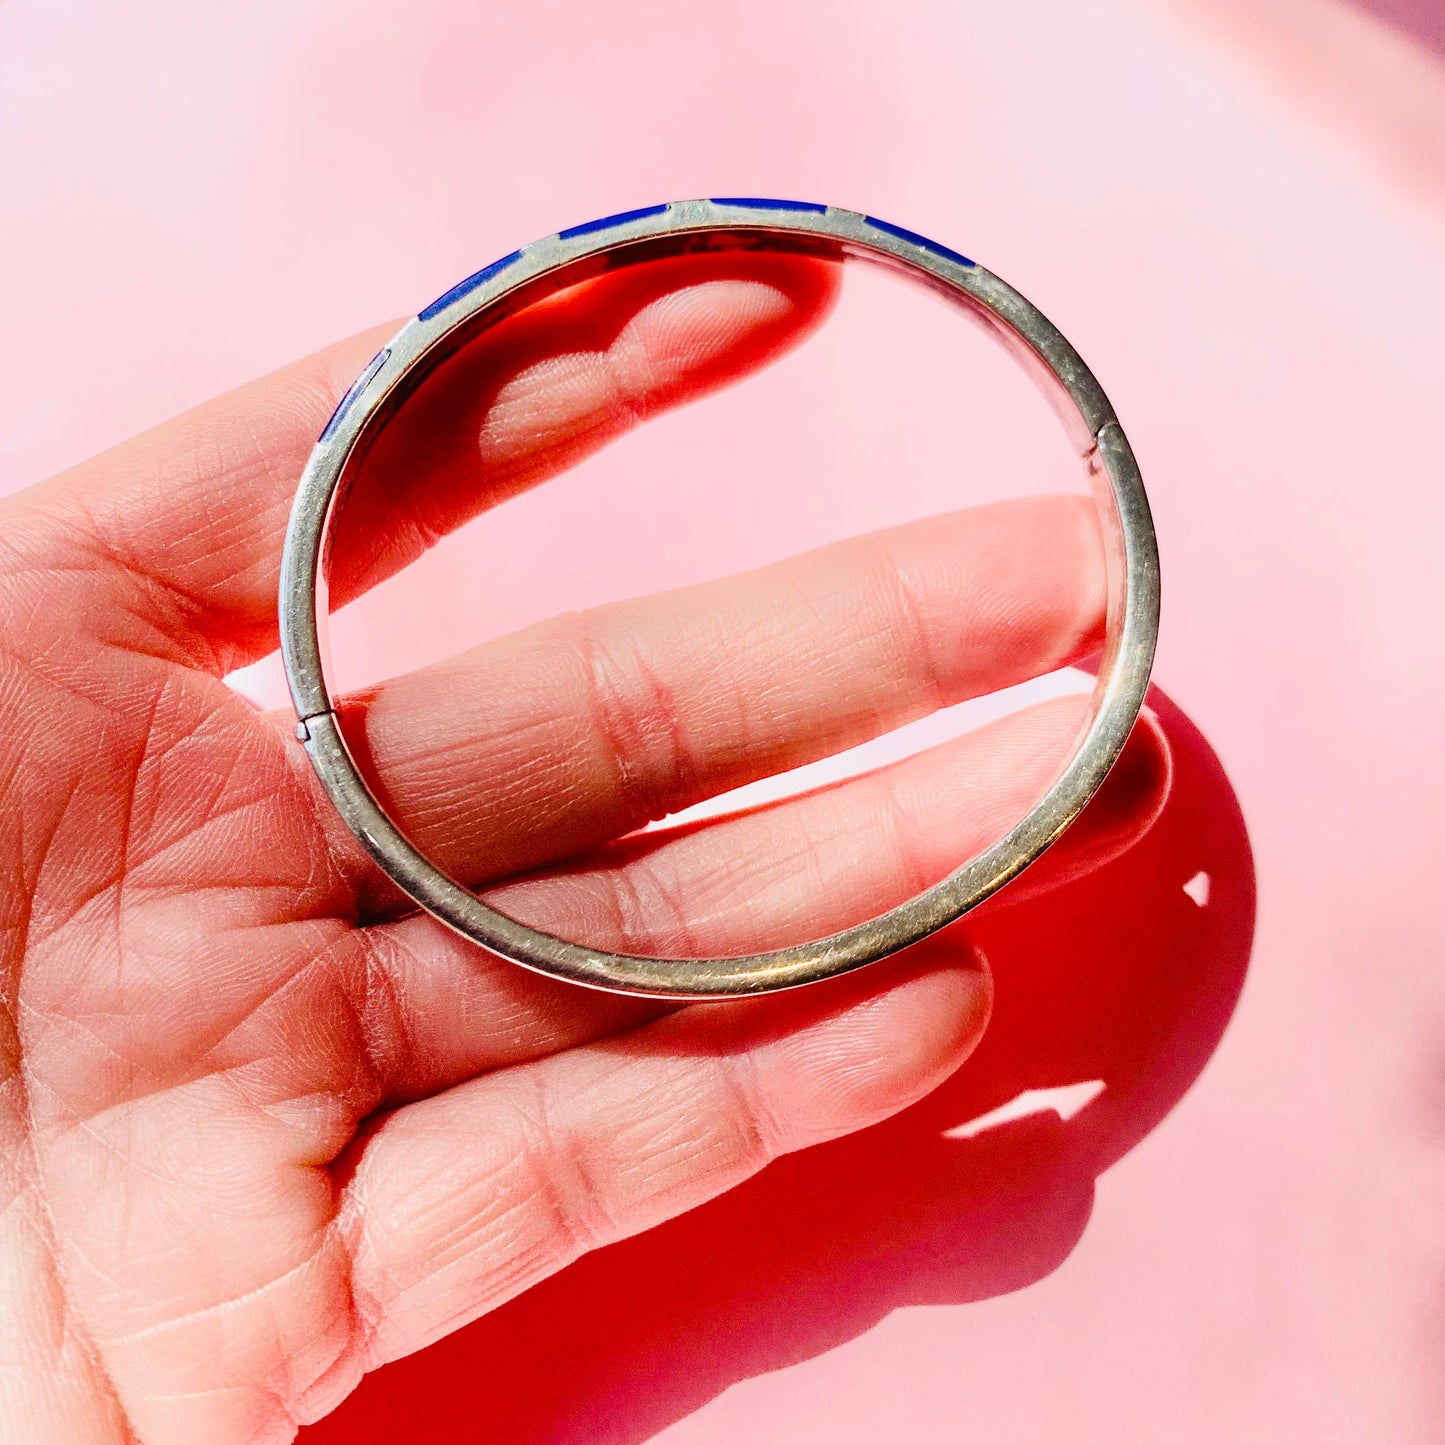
612	243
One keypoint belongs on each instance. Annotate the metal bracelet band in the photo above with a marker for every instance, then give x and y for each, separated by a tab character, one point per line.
516	281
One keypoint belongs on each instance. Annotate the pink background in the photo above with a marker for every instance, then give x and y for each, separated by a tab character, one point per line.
1237	211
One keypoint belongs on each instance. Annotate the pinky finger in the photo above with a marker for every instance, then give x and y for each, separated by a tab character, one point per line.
461	1201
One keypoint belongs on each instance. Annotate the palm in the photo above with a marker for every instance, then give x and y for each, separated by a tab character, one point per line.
264	1127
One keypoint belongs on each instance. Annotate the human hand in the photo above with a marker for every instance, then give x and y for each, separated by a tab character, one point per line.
264	1127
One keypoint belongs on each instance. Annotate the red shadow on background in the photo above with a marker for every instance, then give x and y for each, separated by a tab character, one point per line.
1422	20
1120	976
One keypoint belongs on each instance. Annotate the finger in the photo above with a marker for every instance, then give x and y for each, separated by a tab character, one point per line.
826	860
1118	816
187	520
553	385
458	1202
443	1010
534	746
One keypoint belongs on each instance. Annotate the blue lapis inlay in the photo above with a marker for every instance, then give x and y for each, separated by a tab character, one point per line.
355	390
766	203
917	240
606	223
477	278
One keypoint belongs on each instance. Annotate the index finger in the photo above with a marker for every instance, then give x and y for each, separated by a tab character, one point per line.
190	517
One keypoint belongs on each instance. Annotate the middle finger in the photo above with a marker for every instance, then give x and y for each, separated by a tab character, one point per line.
530	748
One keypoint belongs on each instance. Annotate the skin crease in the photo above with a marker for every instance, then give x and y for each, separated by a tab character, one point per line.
262	1127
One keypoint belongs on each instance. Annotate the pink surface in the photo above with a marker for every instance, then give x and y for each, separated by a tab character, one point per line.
1252	261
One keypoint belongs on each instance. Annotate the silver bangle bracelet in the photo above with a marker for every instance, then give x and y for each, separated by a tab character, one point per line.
684	227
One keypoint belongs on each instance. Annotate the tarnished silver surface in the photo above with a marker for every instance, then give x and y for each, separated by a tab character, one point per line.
688	226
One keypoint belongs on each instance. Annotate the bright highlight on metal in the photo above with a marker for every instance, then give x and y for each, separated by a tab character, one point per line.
632	238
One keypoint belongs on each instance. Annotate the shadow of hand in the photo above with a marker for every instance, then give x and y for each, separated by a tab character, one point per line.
1121	977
